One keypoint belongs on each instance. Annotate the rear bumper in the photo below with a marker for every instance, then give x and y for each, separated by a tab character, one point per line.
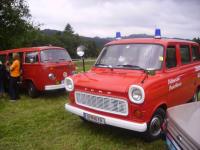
140	127
54	87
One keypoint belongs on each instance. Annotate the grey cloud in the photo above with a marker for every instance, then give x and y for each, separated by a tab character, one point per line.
104	17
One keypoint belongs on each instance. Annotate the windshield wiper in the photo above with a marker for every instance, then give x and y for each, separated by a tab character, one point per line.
131	66
104	65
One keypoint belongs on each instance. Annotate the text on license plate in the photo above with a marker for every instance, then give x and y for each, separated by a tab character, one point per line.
94	118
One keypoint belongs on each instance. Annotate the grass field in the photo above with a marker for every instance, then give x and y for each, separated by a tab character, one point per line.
42	123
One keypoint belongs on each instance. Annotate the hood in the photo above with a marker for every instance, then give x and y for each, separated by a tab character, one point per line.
105	79
187	117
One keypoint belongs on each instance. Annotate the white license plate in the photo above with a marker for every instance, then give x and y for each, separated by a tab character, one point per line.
94	118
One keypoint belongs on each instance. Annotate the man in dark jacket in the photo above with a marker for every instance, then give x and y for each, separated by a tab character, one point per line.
2	78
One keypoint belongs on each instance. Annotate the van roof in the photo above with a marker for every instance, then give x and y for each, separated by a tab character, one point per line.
163	41
27	49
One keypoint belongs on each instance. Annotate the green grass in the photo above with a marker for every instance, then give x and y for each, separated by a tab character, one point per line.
43	123
88	65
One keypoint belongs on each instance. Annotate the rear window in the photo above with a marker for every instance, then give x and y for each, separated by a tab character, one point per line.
185	54
54	55
195	53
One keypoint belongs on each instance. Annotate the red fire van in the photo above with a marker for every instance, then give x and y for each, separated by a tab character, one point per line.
43	68
134	81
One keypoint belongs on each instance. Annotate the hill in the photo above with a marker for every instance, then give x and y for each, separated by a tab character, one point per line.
100	42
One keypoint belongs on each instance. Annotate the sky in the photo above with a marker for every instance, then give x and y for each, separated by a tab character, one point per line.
103	18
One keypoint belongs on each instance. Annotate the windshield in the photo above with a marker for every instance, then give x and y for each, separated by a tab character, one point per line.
54	55
131	56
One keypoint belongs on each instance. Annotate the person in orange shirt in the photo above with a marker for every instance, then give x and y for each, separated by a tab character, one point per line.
14	77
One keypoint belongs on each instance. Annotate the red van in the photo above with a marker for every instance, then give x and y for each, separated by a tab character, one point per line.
134	81
43	68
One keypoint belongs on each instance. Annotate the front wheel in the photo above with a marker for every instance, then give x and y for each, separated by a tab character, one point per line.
154	126
32	91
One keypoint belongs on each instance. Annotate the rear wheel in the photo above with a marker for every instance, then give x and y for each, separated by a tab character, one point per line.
32	91
154	126
196	96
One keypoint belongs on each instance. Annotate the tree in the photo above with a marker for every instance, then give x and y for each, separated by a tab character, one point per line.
197	40
15	26
68	29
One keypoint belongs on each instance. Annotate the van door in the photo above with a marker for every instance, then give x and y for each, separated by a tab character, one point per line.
30	66
188	73
173	76
196	62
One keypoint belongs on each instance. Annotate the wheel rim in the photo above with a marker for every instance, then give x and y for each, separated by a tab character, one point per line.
30	90
155	126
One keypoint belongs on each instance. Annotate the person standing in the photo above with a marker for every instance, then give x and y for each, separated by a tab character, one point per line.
14	78
2	77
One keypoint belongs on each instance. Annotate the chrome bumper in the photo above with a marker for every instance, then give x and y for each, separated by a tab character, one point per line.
54	87
140	127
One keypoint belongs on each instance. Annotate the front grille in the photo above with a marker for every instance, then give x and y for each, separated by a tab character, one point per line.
102	103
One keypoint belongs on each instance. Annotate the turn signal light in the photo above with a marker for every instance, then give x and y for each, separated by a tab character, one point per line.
137	113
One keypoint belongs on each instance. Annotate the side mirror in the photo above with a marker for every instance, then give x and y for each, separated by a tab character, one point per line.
150	71
80	52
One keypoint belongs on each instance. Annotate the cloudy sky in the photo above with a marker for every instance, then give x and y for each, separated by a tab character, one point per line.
176	18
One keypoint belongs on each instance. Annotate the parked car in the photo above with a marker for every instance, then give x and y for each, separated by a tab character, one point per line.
43	68
182	127
134	81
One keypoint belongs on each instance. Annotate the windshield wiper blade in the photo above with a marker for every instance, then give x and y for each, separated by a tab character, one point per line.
103	65
131	66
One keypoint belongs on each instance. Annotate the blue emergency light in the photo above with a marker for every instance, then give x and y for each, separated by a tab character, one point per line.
118	36
157	34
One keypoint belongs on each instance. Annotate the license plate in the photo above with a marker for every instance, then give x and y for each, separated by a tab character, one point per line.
171	143
94	118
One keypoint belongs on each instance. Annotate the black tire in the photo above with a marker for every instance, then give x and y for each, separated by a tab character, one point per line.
32	91
196	97
154	126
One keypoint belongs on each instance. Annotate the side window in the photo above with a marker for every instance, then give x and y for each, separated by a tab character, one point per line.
195	53
171	57
31	57
3	58
185	54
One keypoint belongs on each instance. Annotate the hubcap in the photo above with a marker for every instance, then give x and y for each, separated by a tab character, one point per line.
155	126
30	90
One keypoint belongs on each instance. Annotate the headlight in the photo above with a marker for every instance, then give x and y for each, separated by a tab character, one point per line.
136	94
52	76
69	84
